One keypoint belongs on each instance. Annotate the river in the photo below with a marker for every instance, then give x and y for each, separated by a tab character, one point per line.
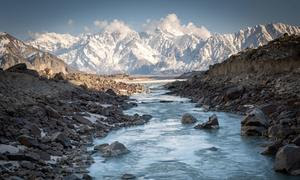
165	149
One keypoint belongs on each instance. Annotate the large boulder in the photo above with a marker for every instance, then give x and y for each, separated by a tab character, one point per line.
114	149
212	123
188	119
288	159
272	148
255	123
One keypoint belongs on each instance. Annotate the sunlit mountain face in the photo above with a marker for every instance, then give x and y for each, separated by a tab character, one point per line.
164	47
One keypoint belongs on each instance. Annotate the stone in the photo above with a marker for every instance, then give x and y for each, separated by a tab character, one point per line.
114	149
255	123
61	138
17	68
111	92
28	141
272	148
296	140
52	112
87	177
71	177
82	120
212	123
59	76
234	93
188	119
4	148
146	117
288	159
35	130
128	176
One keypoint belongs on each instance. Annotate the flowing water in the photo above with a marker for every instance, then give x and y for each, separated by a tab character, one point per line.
165	149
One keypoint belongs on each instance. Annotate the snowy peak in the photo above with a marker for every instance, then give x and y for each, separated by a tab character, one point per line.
165	46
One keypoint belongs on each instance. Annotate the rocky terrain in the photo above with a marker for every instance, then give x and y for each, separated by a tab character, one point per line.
48	121
263	84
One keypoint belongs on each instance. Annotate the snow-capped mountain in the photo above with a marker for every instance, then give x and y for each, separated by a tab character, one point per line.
165	46
14	51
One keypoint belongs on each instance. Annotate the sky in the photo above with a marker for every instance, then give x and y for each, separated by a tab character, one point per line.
23	18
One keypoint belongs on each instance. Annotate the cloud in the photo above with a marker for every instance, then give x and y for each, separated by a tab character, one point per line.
34	35
70	22
86	29
172	25
100	24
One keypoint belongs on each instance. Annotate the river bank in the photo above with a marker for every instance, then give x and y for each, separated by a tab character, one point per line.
48	122
262	84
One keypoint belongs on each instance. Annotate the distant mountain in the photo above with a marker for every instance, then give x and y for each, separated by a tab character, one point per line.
14	51
168	48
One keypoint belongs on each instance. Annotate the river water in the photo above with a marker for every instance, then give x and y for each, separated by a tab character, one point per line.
165	149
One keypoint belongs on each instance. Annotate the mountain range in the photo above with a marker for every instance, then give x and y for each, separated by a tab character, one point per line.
164	47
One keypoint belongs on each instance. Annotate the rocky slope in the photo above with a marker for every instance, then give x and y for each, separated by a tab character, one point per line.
14	51
169	48
262	83
47	124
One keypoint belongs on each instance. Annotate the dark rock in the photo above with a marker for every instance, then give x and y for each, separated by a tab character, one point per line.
17	68
255	123
234	92
111	92
128	176
59	76
212	123
296	140
146	117
82	120
188	119
288	159
114	149
72	177
28	141
35	130
27	165
272	148
52	112
87	177
61	138
24	157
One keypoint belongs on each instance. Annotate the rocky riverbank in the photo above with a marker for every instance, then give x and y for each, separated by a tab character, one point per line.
263	84
47	122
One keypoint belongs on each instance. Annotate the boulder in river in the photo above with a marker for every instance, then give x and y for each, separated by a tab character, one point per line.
114	149
212	123
288	159
255	123
128	176
188	119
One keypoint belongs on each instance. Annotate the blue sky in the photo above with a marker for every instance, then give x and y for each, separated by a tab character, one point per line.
19	17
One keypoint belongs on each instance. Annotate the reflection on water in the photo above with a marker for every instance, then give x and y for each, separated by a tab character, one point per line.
166	149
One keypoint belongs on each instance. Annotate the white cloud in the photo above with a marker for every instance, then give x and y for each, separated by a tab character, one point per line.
86	29
34	35
100	24
70	22
172	25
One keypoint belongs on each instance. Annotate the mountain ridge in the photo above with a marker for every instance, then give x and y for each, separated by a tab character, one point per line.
156	52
